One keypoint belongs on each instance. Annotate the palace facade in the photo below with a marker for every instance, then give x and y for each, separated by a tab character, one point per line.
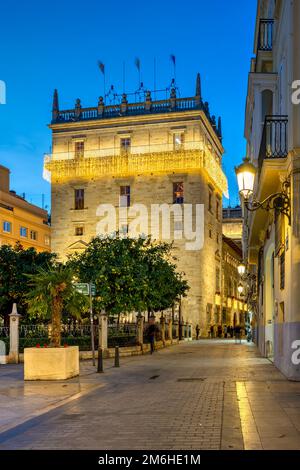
166	152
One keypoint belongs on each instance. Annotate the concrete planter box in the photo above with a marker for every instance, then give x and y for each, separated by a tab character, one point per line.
51	363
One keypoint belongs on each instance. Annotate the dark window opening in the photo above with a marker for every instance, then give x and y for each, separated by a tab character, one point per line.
79	199
178	196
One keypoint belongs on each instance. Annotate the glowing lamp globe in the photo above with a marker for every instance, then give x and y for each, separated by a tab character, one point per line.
246	175
240	288
241	269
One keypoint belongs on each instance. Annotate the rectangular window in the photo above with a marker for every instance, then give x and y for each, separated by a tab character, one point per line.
178	195
125	144
218	209
282	271
78	231
178	141
124	196
33	235
218	288
79	199
210	196
47	240
7	227
79	149
23	232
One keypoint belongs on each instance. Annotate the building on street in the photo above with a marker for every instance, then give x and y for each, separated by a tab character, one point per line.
151	152
272	130
21	221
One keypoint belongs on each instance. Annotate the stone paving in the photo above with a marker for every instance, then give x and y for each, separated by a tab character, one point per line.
199	395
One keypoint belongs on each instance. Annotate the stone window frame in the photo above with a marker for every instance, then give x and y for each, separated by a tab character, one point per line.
33	235
10	226
79	228
23	230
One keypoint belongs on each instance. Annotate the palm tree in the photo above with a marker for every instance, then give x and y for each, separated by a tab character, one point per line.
52	292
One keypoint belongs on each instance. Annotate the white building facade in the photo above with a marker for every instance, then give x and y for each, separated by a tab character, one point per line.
272	131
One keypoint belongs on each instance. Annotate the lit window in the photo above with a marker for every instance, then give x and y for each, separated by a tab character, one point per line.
79	149
23	232
7	227
33	235
79	199
124	196
178	196
125	145
47	240
178	141
78	231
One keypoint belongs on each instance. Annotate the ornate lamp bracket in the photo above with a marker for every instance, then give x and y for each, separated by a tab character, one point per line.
280	202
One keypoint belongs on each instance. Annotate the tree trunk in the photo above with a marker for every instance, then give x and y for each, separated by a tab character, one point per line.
56	322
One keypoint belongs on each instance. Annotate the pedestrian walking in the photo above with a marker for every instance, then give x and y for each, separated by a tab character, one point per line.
197	332
151	333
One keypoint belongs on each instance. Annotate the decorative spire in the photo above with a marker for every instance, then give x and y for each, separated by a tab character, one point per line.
198	86
55	106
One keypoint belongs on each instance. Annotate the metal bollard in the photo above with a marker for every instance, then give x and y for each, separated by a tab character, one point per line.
117	357
100	361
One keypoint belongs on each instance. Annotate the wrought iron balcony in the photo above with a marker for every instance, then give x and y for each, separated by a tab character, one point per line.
274	142
265	35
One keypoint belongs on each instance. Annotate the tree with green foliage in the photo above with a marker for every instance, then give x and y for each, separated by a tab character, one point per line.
130	274
53	291
15	263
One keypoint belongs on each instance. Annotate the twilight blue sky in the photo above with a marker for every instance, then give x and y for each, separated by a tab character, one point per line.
56	44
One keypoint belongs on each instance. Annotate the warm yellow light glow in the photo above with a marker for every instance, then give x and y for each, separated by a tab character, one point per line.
240	288
246	175
241	269
137	164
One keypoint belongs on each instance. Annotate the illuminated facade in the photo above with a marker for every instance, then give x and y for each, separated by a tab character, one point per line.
272	130
150	152
21	221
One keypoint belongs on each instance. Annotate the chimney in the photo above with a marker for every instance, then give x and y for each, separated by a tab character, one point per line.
4	179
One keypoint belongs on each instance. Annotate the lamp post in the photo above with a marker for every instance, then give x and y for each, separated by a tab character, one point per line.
280	201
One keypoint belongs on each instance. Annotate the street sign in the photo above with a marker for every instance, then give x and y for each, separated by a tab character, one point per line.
93	290
82	288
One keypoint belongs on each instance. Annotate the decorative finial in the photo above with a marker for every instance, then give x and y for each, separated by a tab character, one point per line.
55	106
198	86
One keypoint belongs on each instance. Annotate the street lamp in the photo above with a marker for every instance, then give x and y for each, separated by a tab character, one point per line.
241	269
278	201
240	288
246	176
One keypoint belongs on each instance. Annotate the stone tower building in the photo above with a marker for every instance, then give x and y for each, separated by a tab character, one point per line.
146	153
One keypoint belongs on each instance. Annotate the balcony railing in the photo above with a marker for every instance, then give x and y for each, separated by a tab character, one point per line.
95	164
274	143
265	35
124	108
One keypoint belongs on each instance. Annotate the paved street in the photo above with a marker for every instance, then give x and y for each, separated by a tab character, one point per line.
200	395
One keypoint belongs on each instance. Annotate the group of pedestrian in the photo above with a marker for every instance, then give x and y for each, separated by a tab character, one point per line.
225	331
